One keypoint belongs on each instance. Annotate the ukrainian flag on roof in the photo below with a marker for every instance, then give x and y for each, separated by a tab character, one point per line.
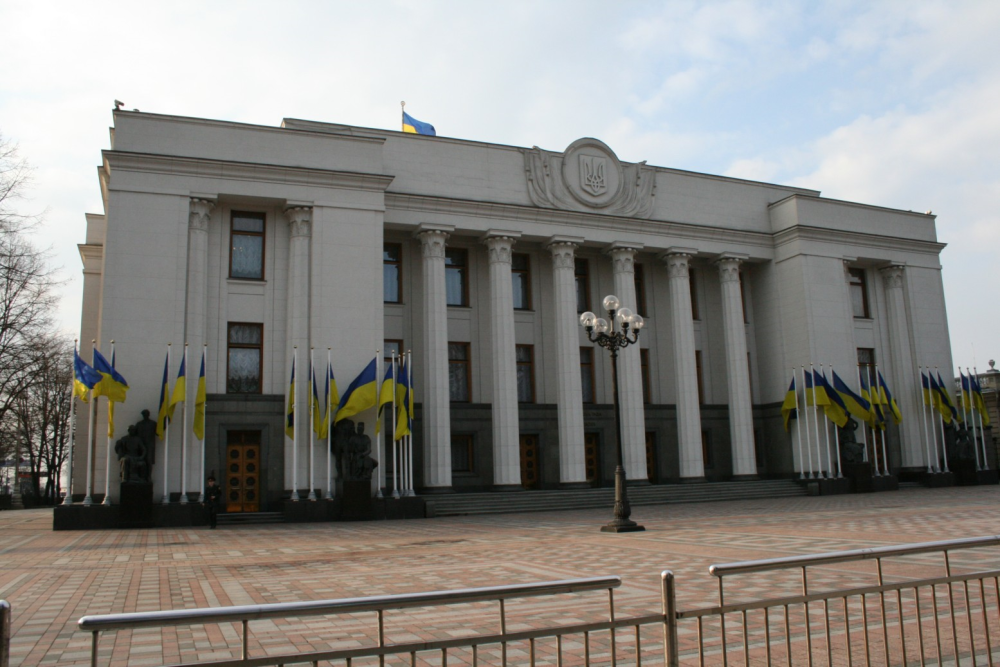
414	126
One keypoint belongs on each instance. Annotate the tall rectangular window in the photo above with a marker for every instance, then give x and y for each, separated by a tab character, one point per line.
582	271
520	276
392	262
462	453
866	364
587	373
640	290
456	276
390	346
458	372
695	315
525	373
743	300
859	293
244	358
698	370
246	250
644	368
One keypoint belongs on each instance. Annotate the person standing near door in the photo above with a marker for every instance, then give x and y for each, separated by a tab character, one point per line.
213	494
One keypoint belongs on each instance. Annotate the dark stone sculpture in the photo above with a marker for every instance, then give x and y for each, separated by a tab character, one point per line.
146	429
352	450
851	451
131	453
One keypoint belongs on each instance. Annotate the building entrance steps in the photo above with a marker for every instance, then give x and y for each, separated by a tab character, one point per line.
247	518
503	502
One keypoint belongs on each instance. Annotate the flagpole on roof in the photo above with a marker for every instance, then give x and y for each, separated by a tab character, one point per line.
402	110
88	499
68	500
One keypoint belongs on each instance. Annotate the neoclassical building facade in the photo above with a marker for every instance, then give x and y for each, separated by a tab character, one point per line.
254	241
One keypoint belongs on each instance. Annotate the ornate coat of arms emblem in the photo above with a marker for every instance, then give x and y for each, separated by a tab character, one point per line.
592	174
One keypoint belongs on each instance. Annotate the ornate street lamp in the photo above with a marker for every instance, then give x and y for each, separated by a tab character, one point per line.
612	339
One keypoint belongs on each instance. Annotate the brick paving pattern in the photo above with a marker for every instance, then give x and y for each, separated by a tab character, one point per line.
52	579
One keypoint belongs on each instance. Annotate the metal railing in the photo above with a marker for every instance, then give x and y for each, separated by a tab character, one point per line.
4	633
873	632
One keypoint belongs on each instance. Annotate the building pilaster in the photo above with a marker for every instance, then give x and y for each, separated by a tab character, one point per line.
733	324
572	468
902	371
300	231
692	464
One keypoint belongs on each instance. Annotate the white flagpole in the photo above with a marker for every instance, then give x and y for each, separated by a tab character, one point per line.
296	418
972	418
885	456
395	442
89	498
873	387
864	434
798	430
826	431
923	418
805	413
201	475
166	436
68	500
107	452
329	430
378	423
965	417
409	438
312	423
944	442
986	460
836	433
184	429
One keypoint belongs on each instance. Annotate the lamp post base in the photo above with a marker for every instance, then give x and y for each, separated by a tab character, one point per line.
621	523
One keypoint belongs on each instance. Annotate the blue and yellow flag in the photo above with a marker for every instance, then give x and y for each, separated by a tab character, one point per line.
834	409
815	393
936	402
166	409
856	405
332	400
200	399
875	417
926	386
977	398
897	416
946	403
85	378
386	394
315	406
290	409
966	397
180	386
112	384
402	402
788	407
413	126
360	395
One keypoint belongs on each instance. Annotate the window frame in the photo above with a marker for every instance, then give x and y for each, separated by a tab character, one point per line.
589	368
470	450
241	346
467	363
386	342
862	277
585	277
398	263
525	273
263	241
463	271
530	364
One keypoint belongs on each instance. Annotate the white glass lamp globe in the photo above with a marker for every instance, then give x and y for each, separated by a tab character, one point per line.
587	319
611	302
638	322
601	326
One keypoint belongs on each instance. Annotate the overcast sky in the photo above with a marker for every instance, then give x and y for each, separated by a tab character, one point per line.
889	103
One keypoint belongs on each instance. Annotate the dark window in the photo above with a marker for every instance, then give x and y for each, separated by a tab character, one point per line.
644	366
695	315
458	372
697	368
392	264
456	276
587	373
520	276
640	290
706	450
389	346
245	354
859	293
743	300
866	364
462	459
582	271
525	373
246	252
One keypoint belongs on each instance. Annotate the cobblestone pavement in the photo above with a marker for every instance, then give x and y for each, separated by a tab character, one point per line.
52	579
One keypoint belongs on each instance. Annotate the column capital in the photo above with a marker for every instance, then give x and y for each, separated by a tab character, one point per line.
299	220
729	266
623	259
893	276
563	249
678	261
632	246
200	212
500	247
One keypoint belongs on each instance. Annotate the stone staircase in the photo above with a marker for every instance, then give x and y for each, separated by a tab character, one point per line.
248	518
455	504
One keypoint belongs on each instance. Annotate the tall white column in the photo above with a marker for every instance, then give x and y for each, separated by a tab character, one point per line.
630	367
904	383
506	449
569	391
740	415
436	399
300	229
692	464
195	327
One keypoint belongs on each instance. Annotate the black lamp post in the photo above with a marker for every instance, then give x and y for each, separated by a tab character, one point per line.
610	338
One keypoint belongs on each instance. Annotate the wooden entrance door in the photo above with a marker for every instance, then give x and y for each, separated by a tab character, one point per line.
529	461
592	457
243	471
651	471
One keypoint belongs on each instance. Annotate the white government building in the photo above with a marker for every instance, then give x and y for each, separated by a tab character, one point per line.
479	257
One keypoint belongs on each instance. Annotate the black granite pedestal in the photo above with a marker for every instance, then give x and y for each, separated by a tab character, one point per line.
356	503
135	505
860	475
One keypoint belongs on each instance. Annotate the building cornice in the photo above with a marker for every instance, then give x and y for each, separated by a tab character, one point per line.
822	234
844	202
243	171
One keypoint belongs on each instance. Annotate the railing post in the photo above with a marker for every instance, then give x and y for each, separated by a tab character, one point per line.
5	622
669	606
